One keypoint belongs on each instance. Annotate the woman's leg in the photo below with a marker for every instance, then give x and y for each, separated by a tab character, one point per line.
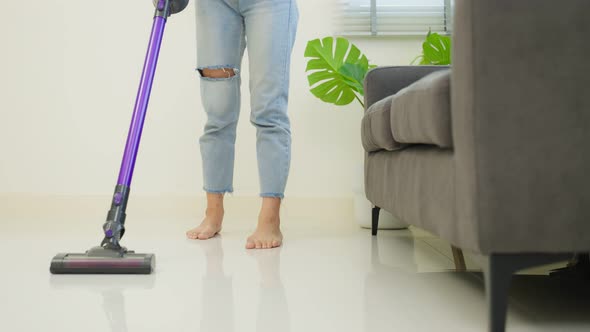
220	47
270	30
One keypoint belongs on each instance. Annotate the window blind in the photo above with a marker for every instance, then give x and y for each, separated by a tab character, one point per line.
393	17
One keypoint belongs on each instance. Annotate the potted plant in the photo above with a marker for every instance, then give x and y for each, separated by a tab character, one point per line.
336	70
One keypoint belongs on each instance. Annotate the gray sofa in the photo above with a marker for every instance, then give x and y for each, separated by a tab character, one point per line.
491	155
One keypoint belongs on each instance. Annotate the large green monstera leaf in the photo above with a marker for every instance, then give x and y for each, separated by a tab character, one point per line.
436	50
336	70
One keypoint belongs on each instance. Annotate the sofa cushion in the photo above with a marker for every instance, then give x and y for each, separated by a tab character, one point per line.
421	112
376	128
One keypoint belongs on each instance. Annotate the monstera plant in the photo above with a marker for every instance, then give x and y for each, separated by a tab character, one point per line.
336	70
436	50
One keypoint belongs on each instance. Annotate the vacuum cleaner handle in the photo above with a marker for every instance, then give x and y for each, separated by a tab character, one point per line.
114	226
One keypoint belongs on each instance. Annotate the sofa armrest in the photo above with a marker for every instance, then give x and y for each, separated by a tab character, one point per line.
521	125
382	82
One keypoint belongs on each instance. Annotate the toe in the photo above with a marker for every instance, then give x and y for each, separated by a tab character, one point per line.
203	236
276	243
258	244
193	232
250	244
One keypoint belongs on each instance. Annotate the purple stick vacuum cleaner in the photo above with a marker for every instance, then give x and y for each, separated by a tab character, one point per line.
110	257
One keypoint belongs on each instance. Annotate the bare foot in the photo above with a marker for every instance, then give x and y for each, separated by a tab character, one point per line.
211	225
208	228
268	233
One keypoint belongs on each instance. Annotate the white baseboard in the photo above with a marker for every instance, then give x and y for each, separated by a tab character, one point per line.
28	206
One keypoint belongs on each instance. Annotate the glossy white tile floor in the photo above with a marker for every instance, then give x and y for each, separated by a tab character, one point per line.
329	276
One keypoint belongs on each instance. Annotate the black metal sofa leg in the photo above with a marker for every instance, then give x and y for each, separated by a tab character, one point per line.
498	276
375	220
497	279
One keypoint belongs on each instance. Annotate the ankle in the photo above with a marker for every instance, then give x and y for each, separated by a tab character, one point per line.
214	211
269	218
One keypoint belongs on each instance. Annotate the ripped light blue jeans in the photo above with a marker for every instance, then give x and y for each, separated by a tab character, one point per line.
224	29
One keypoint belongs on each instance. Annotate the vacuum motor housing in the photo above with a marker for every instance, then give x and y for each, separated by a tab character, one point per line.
176	6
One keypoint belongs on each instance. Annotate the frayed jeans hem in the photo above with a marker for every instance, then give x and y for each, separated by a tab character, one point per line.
272	195
226	191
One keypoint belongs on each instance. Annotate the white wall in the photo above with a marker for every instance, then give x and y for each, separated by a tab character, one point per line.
68	76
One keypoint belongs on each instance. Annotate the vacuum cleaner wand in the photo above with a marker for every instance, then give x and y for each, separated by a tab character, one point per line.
110	256
114	227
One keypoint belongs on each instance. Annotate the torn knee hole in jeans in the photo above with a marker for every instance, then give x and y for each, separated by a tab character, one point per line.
218	72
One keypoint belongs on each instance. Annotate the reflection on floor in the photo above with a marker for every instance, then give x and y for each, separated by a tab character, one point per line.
329	276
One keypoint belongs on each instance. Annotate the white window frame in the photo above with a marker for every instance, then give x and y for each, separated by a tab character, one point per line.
372	20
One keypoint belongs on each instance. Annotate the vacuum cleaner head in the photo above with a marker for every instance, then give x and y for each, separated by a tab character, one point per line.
100	260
